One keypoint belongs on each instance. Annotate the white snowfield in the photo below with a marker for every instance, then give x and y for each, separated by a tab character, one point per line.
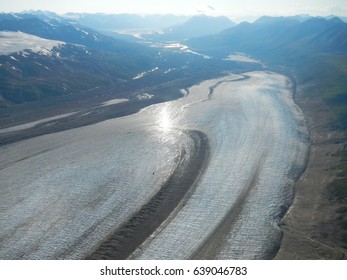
12	42
62	194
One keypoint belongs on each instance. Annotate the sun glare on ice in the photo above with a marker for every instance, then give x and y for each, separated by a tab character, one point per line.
165	122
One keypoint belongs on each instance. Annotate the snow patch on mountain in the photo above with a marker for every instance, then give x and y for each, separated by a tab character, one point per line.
12	42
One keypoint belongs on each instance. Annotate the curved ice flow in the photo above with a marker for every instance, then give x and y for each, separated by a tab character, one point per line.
258	139
63	193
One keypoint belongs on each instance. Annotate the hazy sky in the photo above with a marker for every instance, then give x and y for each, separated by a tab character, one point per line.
231	8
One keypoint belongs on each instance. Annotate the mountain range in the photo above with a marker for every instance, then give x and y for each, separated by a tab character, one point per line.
43	55
277	37
85	60
108	22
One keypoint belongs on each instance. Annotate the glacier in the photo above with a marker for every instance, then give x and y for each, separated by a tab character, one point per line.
62	194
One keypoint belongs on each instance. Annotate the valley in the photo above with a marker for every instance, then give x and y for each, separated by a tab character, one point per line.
167	145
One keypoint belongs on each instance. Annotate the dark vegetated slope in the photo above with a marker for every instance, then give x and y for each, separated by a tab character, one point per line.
325	76
255	38
88	60
70	69
274	39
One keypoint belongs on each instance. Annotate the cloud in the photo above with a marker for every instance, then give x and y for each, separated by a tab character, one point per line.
205	9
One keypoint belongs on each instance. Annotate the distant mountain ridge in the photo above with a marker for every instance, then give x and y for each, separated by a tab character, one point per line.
199	26
277	36
57	28
196	26
125	21
158	27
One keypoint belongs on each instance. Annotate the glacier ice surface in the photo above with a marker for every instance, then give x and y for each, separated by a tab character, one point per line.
61	194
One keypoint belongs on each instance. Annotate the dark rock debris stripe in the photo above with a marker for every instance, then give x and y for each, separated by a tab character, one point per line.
131	234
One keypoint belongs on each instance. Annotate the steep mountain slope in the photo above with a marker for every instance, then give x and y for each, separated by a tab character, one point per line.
82	60
65	69
57	28
272	38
